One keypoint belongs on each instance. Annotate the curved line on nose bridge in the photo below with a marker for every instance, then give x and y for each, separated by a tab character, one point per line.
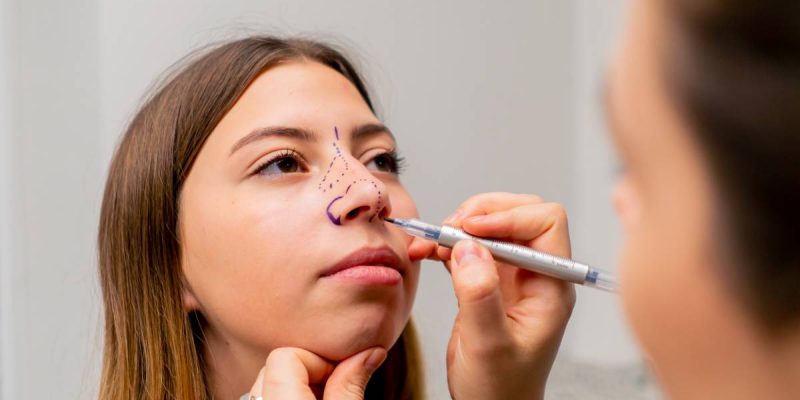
336	130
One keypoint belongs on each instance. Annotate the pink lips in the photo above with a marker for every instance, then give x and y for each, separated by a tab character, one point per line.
370	266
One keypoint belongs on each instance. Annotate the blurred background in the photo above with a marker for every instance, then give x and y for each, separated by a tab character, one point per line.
483	96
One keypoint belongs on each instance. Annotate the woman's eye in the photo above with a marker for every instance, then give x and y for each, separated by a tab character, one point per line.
283	164
386	162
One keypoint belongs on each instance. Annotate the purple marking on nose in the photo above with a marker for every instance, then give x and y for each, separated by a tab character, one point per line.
335	220
348	188
335	129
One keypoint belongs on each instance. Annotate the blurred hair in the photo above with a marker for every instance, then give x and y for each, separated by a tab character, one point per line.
734	67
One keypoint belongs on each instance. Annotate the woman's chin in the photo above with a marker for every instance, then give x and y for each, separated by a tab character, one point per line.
346	340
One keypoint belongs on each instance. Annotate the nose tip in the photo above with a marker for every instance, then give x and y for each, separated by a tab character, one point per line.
365	199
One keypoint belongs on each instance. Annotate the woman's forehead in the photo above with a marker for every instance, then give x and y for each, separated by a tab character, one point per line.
304	99
304	83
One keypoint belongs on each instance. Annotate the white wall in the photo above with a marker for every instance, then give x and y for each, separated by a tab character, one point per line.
482	95
5	206
597	333
55	185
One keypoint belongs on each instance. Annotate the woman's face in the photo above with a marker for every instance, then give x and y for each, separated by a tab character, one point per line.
281	220
671	278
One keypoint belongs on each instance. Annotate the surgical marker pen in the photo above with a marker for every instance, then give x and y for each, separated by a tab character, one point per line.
520	256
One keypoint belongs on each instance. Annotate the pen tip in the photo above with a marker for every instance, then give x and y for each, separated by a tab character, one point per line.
387	219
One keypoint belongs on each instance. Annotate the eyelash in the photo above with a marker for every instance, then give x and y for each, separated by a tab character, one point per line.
397	167
398	162
283	154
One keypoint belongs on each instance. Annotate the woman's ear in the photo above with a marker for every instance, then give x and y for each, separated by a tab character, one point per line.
190	302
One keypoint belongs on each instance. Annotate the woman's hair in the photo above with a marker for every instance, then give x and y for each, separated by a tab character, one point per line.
734	69
153	346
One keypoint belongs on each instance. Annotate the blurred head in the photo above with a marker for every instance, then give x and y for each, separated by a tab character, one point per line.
704	103
243	212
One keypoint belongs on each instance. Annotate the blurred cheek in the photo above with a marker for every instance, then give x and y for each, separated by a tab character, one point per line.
669	287
641	258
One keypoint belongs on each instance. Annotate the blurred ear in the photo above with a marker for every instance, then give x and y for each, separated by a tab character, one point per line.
626	202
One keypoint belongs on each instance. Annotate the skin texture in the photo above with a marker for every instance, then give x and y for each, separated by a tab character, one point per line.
700	342
255	244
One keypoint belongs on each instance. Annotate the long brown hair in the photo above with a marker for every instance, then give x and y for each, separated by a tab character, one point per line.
152	345
734	70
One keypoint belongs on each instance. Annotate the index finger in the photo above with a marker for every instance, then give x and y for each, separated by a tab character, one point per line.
487	203
289	372
483	204
542	226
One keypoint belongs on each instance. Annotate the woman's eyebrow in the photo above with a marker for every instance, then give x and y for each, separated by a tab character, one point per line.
270	131
366	131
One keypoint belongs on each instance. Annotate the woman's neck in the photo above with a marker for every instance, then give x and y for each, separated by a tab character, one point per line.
232	368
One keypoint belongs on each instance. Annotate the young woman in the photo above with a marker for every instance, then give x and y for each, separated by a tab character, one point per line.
242	246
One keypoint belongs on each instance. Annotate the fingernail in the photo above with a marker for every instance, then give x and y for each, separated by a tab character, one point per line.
375	359
467	253
453	217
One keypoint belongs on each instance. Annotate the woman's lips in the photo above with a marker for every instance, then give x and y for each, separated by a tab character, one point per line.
370	266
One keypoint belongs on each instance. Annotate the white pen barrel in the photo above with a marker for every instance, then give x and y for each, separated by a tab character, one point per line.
521	256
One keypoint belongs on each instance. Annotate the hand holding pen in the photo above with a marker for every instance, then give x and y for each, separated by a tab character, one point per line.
510	320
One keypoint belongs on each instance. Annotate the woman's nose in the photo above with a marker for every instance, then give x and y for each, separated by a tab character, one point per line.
360	195
365	199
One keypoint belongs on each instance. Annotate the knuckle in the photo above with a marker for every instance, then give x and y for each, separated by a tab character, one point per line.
558	212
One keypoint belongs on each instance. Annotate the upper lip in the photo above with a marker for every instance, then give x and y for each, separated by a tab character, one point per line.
383	256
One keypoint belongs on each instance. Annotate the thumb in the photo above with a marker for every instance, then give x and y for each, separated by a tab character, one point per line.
289	373
476	282
349	379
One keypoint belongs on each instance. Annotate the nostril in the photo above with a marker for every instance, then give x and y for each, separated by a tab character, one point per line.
383	213
352	214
